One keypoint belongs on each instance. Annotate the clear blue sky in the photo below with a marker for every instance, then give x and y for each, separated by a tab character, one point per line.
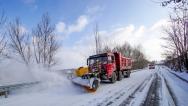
110	12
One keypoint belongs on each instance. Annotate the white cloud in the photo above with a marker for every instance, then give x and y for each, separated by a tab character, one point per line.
29	1
93	9
80	24
140	31
148	37
159	24
153	49
60	27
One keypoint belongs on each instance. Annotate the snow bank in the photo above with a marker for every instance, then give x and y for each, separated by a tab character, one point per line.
183	75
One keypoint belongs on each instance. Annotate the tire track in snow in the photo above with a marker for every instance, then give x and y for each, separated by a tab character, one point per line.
106	99
140	88
122	94
116	96
171	96
171	93
153	98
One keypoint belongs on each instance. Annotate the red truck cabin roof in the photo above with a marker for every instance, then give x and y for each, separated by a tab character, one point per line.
101	55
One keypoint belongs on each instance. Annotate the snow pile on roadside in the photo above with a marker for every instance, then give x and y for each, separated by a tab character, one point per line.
183	75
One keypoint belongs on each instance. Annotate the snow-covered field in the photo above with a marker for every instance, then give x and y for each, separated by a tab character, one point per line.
133	91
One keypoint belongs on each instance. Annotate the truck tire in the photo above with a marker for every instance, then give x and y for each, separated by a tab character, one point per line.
95	85
124	74
127	75
120	76
114	77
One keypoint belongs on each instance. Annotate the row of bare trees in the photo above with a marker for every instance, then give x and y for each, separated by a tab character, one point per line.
139	58
37	46
177	36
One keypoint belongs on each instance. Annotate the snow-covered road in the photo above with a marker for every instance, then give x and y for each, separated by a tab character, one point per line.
145	87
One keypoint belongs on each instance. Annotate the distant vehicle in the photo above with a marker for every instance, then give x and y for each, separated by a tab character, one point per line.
151	66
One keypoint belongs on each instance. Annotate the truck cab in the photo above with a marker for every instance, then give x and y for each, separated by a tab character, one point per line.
103	64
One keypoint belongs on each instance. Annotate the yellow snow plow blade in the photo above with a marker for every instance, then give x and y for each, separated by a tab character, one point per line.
88	81
81	71
89	90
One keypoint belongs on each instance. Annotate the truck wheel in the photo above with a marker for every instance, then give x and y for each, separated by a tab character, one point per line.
114	77
95	85
120	76
127	74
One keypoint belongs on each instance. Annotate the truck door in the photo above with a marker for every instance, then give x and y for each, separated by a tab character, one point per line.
110	66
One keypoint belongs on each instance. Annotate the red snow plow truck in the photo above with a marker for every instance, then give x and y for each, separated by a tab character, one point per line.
106	66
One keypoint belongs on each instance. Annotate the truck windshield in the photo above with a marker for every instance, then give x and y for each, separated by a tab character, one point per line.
101	60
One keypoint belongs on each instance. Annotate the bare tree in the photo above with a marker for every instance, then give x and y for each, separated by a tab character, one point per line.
106	49
44	42
178	34
3	42
19	41
139	59
97	40
125	49
166	2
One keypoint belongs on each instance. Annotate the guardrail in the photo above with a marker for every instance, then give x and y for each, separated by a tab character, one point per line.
4	90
